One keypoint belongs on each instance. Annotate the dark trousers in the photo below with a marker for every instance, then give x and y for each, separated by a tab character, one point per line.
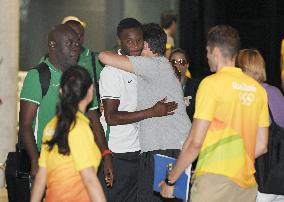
125	166
146	176
18	188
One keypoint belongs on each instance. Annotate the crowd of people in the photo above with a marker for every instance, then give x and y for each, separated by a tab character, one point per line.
93	134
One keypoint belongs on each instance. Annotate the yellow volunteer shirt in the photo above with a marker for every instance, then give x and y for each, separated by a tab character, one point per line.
64	182
236	105
282	62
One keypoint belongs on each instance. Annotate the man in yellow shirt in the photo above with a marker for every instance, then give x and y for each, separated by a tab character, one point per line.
230	128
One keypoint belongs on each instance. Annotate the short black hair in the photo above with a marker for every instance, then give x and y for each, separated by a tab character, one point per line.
156	38
167	18
127	23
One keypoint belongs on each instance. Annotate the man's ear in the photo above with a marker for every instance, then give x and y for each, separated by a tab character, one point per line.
60	91
217	52
51	44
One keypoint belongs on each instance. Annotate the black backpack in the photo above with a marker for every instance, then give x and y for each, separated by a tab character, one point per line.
270	166
44	76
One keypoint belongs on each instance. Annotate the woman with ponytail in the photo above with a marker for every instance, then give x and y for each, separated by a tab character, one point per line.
69	156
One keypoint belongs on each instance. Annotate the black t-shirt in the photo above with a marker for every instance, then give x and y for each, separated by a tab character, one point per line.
190	90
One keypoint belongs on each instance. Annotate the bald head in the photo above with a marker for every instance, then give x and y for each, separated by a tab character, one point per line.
58	31
63	44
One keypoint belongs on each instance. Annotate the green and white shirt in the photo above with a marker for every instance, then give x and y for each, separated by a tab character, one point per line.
31	92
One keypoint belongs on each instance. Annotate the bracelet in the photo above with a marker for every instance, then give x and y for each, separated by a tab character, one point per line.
168	182
106	152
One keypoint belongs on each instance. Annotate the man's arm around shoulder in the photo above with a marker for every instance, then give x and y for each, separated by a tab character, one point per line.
118	61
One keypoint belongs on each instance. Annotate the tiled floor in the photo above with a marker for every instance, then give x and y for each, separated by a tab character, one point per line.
3	195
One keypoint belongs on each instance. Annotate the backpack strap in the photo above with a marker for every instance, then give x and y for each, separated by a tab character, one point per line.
44	77
96	82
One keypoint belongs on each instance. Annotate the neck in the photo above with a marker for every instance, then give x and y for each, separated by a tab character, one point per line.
57	64
226	63
168	31
82	106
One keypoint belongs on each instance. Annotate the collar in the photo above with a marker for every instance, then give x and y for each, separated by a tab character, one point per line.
85	52
230	69
119	52
50	65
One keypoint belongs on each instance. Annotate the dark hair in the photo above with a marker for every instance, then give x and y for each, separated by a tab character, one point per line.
167	18
74	86
156	38
226	38
179	50
128	23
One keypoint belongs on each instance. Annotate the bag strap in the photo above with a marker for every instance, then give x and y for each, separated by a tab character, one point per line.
270	114
44	77
96	83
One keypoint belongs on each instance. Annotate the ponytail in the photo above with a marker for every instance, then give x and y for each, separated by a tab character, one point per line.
74	86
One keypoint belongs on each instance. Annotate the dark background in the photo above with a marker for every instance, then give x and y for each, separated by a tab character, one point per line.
260	24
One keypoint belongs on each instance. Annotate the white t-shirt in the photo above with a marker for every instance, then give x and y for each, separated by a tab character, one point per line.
121	85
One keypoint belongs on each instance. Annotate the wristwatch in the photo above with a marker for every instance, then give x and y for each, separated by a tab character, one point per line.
169	183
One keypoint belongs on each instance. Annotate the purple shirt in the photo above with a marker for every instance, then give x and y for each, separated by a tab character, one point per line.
276	103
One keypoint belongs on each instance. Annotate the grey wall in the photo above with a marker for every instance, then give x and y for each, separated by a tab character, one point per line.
102	16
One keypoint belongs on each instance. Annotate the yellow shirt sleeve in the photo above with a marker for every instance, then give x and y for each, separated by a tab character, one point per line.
264	114
84	151
206	101
282	54
47	135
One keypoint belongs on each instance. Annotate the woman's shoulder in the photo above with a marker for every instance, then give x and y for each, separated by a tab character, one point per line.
271	89
50	128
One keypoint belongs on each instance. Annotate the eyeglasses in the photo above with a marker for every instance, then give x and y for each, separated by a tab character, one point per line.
179	61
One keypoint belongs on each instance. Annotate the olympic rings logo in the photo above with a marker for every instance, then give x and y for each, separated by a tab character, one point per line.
246	98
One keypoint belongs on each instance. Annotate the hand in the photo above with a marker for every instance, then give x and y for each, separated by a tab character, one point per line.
163	108
34	167
166	191
108	171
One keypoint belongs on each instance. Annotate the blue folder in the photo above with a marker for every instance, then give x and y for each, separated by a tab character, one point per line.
163	165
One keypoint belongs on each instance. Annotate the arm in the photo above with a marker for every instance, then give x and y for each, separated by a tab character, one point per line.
188	153
117	61
92	184
115	117
261	141
27	113
102	144
39	185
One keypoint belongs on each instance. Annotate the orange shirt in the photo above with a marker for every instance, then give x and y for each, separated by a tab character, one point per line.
64	182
